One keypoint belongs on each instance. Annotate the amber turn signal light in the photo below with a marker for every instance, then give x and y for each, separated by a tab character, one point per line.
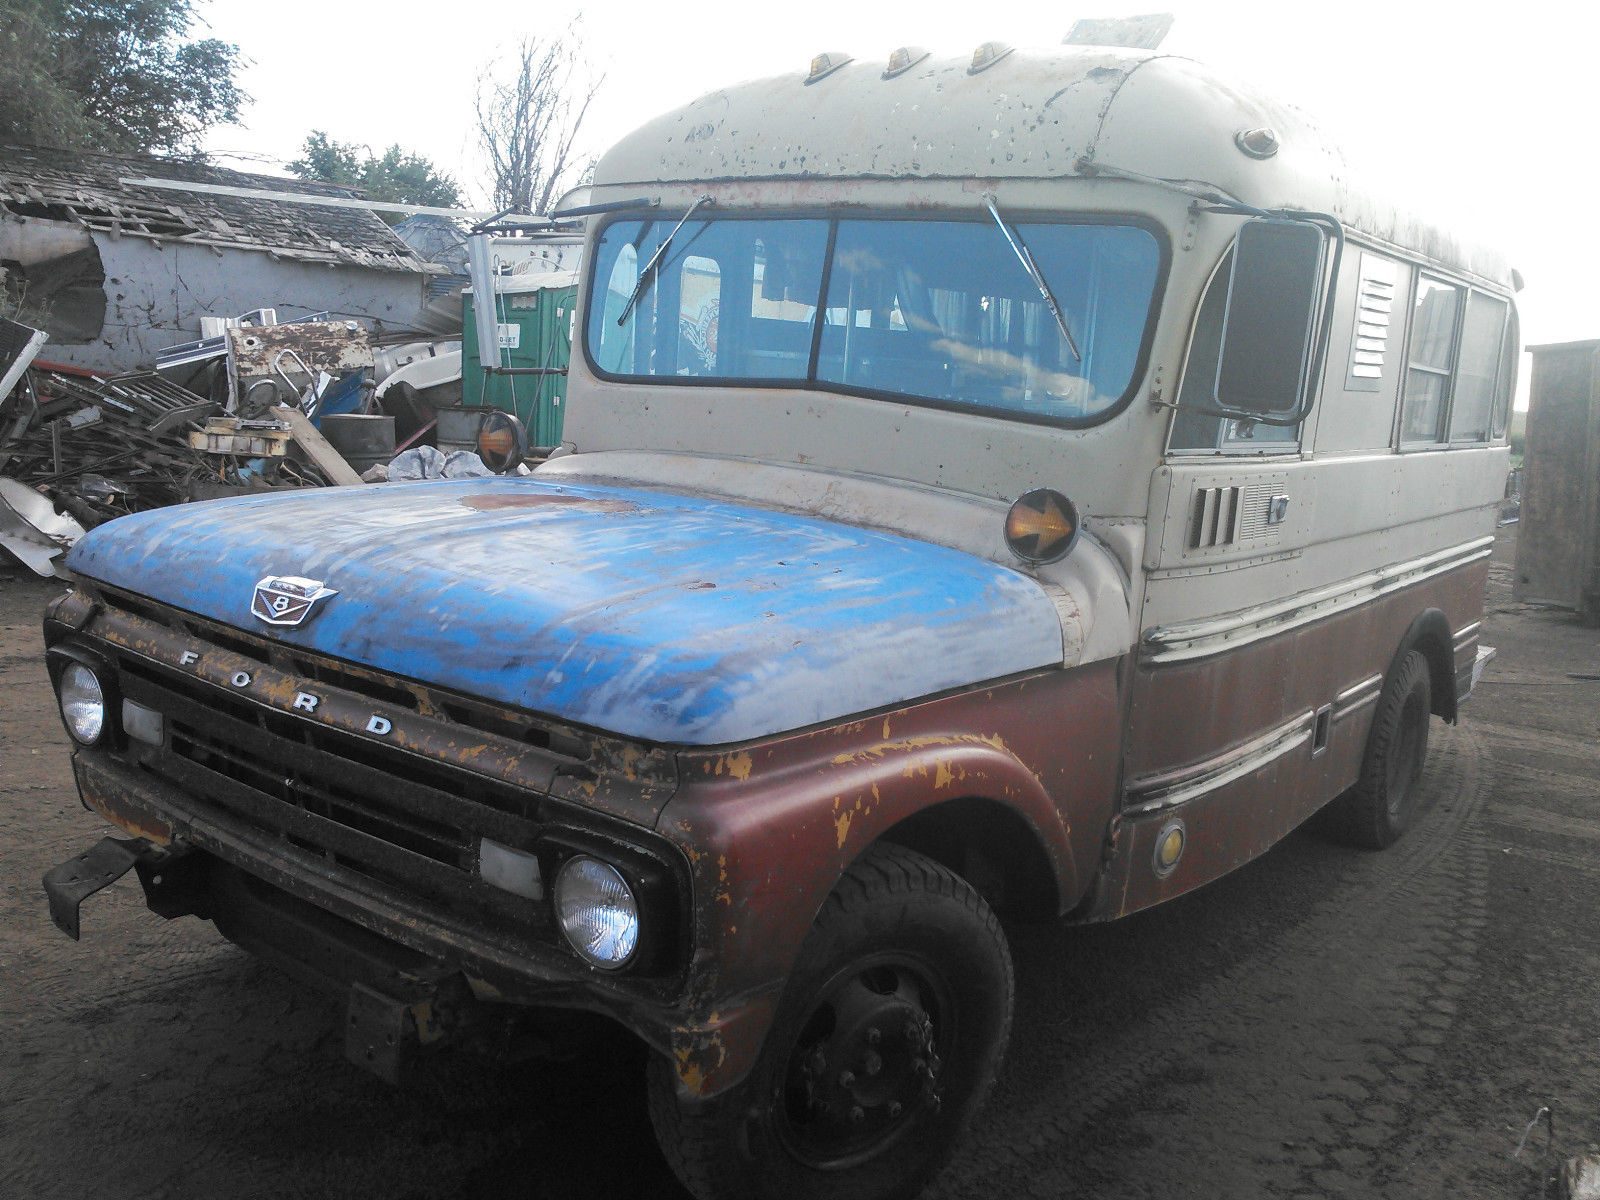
1042	526
502	441
1170	843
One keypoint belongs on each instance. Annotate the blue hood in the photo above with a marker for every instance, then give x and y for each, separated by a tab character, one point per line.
654	616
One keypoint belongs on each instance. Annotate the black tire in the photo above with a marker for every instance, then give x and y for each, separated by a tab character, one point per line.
1380	807
886	1041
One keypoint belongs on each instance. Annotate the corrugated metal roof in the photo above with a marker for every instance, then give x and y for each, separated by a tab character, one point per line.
87	189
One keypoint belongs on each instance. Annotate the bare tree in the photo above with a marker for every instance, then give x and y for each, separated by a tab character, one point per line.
529	126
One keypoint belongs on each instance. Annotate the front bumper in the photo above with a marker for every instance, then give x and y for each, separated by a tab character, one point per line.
403	963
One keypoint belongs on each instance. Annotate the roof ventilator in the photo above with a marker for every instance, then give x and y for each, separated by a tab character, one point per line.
1257	143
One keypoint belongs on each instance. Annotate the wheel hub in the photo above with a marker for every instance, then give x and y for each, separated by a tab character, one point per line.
866	1067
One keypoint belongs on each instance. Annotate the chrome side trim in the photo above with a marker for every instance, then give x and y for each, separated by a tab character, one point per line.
1201	639
1353	699
1172	788
1467	633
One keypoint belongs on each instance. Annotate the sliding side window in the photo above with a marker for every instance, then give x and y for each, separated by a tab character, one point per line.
1434	319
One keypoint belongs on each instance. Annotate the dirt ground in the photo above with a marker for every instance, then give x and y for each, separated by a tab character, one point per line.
1323	1022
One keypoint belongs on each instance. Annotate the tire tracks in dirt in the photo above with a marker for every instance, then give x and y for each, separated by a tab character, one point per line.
1290	1069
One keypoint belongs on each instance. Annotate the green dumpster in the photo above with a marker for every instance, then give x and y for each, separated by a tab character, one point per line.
535	318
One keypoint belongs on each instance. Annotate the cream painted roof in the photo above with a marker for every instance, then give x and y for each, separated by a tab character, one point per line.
1032	115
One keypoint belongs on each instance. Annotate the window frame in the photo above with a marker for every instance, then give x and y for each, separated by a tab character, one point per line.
1441	425
1501	400
832	217
1228	444
1501	360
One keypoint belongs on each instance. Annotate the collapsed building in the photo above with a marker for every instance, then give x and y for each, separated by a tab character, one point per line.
119	256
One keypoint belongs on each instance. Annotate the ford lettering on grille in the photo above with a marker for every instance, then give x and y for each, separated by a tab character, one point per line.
287	600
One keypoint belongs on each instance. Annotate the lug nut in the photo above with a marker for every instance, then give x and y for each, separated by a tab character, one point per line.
847	1079
857	1115
874	1036
896	1108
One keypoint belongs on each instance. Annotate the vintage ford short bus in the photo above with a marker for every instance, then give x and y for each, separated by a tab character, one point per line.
1030	483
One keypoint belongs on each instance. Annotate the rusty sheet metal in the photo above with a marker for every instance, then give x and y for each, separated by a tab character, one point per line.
292	356
673	620
627	781
1180	714
515	969
768	829
331	346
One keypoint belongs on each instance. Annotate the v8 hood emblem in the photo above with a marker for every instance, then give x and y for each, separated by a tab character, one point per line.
287	600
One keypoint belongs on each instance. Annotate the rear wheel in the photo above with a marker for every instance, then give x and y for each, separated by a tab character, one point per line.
1380	808
886	1041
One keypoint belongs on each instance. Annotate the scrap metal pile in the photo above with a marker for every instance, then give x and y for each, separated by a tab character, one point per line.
78	449
237	411
100	447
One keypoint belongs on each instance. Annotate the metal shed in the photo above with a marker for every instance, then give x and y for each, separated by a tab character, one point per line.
1558	547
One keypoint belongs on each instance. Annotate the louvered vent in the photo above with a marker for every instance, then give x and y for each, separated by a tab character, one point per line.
1214	519
1229	515
1374	318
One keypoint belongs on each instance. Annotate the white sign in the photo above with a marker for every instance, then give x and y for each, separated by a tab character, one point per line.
510	336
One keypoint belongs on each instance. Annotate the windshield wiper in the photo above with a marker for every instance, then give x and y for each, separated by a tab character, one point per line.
649	272
1026	260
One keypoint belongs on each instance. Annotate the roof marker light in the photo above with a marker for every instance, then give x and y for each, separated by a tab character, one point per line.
826	64
986	55
903	59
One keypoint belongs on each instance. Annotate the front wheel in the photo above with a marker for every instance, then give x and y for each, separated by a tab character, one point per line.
887	1039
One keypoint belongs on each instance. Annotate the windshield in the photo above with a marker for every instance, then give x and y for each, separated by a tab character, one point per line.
933	311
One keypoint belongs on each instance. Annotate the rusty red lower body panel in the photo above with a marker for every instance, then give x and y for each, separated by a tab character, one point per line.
1180	715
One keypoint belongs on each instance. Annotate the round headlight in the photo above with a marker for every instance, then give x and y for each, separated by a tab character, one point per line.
83	703
597	911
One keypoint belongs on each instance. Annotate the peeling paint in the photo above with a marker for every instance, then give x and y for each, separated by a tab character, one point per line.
737	765
884	749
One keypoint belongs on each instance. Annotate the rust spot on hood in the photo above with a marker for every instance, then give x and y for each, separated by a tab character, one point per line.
490	501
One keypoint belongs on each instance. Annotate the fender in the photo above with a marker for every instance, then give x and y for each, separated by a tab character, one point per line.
769	828
1430	633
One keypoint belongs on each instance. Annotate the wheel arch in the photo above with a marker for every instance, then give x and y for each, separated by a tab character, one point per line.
1430	635
991	845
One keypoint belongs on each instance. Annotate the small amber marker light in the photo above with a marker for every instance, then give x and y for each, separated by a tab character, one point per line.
903	59
986	55
1042	526
502	441
1169	847
826	64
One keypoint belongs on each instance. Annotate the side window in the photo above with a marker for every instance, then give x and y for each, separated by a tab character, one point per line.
1508	376
1197	432
1482	342
615	351
785	281
699	304
1434	318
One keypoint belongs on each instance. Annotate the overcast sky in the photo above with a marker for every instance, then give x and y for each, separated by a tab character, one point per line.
1479	117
